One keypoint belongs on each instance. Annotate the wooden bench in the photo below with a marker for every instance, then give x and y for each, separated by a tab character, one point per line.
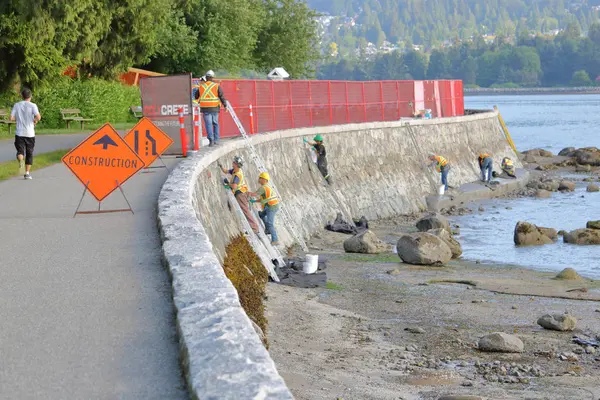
73	114
5	119
137	111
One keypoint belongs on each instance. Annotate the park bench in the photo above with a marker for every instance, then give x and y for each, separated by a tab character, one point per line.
5	119
73	114
137	111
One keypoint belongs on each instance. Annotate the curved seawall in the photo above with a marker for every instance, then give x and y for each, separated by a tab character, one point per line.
378	170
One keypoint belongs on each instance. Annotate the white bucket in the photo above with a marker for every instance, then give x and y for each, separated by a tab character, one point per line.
311	264
441	190
395	249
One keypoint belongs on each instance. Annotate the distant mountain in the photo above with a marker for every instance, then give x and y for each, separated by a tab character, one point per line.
351	24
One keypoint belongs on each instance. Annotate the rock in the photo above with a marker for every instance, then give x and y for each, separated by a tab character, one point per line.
567	152
569	274
481	209
590	350
514	307
593	225
557	322
562	232
588	180
365	242
422	248
550	232
501	342
415	329
539	152
582	236
529	234
452	243
566	186
459	397
542	194
569	356
587	156
394	272
434	221
592	188
529	158
258	331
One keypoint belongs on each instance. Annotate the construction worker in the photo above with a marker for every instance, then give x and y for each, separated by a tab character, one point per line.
321	156
270	203
485	166
210	97
442	166
240	190
508	167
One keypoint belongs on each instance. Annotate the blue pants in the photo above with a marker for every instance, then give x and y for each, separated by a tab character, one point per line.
486	165
444	172
211	121
268	217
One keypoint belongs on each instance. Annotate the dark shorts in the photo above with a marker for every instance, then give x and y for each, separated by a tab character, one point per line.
24	146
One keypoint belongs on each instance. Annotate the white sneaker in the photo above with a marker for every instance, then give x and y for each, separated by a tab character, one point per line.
27	176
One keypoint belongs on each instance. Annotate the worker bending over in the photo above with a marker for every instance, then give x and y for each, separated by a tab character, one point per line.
240	189
442	166
270	203
485	165
508	167
321	156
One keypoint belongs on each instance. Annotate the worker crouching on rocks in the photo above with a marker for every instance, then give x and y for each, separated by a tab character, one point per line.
508	167
485	165
321	156
240	190
270	203
442	166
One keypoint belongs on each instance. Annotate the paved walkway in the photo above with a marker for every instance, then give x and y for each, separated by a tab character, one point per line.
85	304
43	144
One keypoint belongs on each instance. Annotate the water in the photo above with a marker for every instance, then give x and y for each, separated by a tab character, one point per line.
551	122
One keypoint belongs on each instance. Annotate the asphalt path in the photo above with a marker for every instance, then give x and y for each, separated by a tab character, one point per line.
43	144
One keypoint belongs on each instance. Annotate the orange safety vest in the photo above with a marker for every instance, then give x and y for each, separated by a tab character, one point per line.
269	197
483	157
441	162
209	95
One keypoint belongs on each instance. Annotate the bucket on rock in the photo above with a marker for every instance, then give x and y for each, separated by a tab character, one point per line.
311	264
441	190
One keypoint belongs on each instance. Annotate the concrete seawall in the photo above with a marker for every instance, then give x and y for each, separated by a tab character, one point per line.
378	171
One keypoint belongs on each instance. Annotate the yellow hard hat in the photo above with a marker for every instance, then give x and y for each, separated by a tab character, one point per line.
265	175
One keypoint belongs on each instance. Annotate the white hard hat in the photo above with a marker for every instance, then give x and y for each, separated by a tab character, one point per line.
210	72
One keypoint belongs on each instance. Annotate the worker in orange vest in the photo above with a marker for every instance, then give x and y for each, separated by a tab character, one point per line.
442	166
210	97
486	166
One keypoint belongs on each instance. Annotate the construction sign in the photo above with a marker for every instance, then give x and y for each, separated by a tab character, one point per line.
148	141
103	162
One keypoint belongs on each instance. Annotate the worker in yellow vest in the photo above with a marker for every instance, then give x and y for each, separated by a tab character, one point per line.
485	166
442	166
210	97
270	203
508	167
240	190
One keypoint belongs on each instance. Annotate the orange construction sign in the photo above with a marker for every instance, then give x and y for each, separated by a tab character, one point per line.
103	162
148	141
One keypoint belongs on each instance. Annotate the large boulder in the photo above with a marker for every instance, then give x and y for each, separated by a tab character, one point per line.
593	225
567	152
566	186
568	274
529	158
452	243
529	234
542	194
582	236
422	248
557	322
539	152
501	342
433	221
592	188
588	156
365	242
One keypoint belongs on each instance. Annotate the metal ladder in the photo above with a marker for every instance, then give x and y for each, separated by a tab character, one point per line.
263	248
287	219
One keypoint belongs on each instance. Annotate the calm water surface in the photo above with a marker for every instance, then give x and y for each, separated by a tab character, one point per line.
551	122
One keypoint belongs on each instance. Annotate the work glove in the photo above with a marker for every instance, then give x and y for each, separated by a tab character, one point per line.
304	140
252	200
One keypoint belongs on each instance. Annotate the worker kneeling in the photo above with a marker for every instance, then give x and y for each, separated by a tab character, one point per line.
270	203
508	167
240	190
485	165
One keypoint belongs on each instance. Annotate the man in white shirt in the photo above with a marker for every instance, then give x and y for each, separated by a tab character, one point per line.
27	116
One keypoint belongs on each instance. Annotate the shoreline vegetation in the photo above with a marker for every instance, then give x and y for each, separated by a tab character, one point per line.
530	91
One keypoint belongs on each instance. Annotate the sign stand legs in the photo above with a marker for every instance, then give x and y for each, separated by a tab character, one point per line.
146	169
99	211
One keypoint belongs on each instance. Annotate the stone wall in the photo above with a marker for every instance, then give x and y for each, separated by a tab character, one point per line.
379	170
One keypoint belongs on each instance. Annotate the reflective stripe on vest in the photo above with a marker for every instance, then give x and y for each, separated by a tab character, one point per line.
242	185
269	197
441	162
209	95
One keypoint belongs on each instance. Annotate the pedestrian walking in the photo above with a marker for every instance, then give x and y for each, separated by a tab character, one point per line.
240	190
485	166
27	115
210	97
442	166
270	203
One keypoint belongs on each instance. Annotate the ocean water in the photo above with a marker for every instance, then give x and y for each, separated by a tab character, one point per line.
551	122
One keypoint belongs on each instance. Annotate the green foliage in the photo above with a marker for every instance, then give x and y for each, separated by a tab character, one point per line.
247	274
581	78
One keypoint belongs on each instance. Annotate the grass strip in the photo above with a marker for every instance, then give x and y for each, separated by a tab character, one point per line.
89	128
10	169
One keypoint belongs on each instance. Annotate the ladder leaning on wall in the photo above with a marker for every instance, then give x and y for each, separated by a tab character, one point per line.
287	219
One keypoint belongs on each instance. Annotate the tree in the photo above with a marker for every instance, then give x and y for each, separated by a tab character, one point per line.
416	64
580	78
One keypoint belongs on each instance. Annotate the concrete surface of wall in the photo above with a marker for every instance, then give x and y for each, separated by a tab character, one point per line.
379	170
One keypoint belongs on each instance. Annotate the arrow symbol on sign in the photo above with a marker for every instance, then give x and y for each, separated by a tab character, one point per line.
105	141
